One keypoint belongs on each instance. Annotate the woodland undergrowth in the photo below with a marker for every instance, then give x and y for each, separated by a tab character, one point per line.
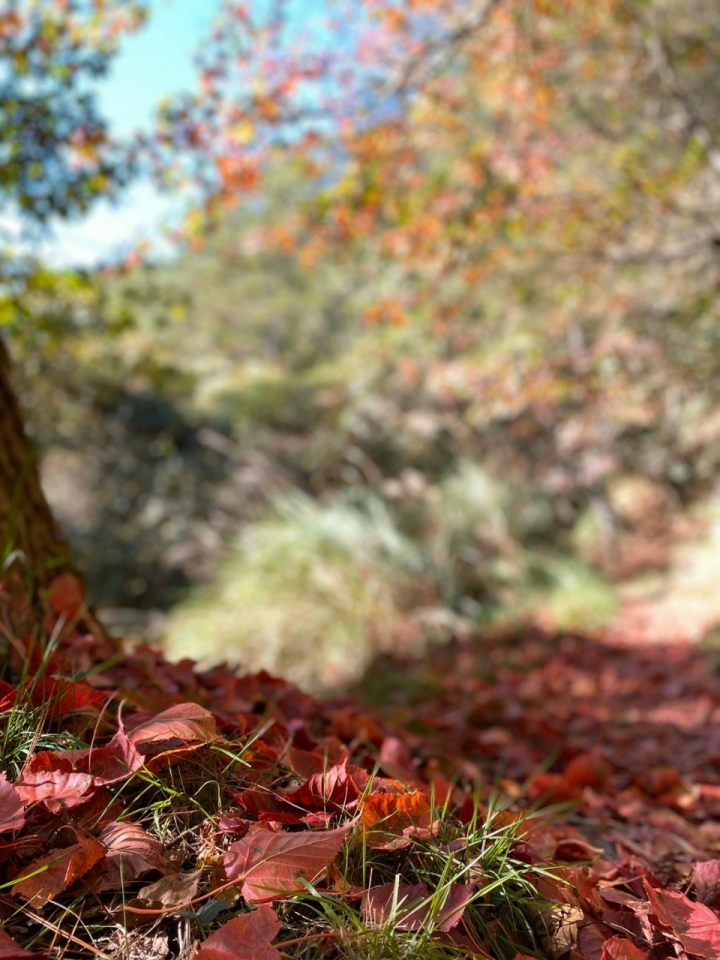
521	796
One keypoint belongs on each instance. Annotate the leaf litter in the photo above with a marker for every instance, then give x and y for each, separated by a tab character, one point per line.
528	795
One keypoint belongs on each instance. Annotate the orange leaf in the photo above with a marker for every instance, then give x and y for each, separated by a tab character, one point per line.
50	875
385	816
619	948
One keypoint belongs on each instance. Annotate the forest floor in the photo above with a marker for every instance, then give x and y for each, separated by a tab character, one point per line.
520	794
680	603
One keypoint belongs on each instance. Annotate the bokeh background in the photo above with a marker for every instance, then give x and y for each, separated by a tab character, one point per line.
448	359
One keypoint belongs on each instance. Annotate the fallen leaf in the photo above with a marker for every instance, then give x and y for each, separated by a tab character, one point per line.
589	769
179	725
706	875
66	595
48	876
247	937
552	788
620	948
394	751
59	696
592	937
234	825
270	865
9	950
52	779
557	926
8	695
12	808
173	889
264	804
112	763
336	786
131	852
410	907
695	925
385	816
306	763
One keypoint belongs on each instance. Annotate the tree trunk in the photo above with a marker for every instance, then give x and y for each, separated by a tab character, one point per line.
29	534
33	548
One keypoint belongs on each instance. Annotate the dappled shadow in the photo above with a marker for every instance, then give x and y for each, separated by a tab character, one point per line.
507	707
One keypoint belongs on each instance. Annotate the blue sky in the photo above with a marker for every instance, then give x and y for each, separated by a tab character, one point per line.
153	63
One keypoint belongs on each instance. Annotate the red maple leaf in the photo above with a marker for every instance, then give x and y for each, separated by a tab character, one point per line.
272	865
246	937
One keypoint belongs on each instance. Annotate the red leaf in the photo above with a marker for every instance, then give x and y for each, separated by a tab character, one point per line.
707	882
270	865
246	937
553	788
67	778
336	786
12	809
9	950
409	907
111	763
131	852
60	697
305	763
695	925
66	595
591	939
589	769
619	948
52	779
262	804
8	695
50	875
179	725
395	752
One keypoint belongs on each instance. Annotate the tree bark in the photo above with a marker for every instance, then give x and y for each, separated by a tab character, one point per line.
33	548
29	533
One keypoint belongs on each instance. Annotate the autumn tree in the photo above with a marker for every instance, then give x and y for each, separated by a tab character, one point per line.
56	158
534	174
520	173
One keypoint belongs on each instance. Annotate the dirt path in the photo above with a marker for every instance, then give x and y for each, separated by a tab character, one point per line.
683	603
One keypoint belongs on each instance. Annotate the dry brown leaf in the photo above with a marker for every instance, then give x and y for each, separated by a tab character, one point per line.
173	889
